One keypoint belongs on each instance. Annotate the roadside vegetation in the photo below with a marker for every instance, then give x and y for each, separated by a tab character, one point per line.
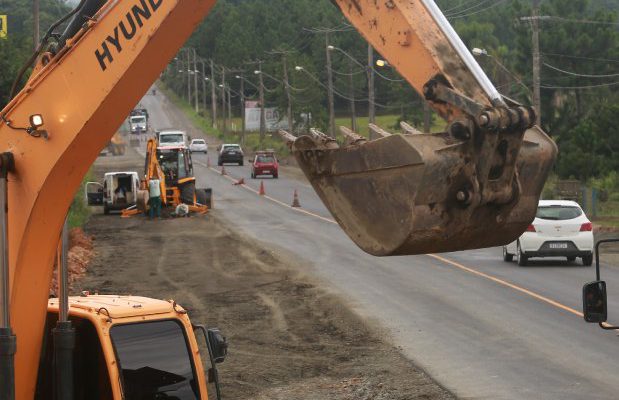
79	211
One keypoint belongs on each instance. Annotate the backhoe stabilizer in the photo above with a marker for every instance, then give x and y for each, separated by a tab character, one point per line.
419	194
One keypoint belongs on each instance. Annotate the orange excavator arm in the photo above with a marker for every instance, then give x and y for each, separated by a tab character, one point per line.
85	86
84	92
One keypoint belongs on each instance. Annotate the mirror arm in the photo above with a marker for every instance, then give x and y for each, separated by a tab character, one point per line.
210	355
597	274
607	327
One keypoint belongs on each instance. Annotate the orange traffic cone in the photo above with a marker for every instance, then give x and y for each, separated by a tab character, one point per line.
223	170
239	182
295	199
261	191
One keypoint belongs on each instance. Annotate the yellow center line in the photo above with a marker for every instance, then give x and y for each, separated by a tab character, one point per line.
434	256
507	284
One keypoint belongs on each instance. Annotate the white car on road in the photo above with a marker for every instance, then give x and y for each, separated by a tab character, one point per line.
560	229
198	146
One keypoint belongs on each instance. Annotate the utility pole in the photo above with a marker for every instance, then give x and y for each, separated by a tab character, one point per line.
287	87
353	113
242	109
330	86
536	63
230	107
213	96
204	78
427	117
223	98
195	80
371	104
188	76
35	31
263	121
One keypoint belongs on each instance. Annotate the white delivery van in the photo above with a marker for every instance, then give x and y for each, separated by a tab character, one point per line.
118	191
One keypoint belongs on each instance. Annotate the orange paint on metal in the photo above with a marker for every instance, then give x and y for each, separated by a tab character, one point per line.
82	106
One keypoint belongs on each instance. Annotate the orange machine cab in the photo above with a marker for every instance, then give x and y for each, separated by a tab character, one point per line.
130	347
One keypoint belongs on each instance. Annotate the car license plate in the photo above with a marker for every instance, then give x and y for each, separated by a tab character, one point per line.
266	172
558	245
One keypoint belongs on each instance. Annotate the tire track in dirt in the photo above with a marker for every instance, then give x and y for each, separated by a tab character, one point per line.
289	339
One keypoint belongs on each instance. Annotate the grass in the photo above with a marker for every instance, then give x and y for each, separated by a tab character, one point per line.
387	122
79	211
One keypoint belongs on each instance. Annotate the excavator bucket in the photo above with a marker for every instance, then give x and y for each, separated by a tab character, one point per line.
423	193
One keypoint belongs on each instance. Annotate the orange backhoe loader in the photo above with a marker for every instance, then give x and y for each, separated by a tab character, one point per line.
173	168
476	184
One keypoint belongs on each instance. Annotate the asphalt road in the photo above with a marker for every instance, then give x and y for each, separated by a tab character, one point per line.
483	328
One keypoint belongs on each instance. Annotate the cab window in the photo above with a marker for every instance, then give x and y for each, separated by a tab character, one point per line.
154	361
91	378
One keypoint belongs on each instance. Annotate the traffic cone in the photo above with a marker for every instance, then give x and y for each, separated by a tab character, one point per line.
223	170
295	199
261	191
239	182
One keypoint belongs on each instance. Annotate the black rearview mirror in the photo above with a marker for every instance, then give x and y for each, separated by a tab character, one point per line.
594	303
219	345
217	350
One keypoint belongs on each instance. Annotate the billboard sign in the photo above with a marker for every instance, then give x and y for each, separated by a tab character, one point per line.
272	116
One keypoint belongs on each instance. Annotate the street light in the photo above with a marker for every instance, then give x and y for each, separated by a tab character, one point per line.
330	47
298	68
257	72
382	63
479	52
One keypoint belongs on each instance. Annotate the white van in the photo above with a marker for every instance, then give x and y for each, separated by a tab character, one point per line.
118	191
172	138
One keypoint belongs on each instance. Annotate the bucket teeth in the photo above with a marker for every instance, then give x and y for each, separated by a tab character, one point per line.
322	140
287	138
377	131
351	138
408	129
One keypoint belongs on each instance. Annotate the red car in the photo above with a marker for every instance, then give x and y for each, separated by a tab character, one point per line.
265	163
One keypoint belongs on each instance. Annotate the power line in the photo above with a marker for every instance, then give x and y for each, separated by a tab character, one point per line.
461	5
579	75
498	3
482	2
581	87
582	21
580	57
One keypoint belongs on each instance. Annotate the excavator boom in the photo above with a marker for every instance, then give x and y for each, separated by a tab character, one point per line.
83	92
475	185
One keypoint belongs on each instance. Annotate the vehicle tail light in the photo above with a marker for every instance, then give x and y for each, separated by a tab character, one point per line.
531	228
586	227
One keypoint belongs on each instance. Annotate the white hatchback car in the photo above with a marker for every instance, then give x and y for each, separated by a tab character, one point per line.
198	146
560	229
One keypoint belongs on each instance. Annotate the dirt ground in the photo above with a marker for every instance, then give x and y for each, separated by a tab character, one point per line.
289	338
